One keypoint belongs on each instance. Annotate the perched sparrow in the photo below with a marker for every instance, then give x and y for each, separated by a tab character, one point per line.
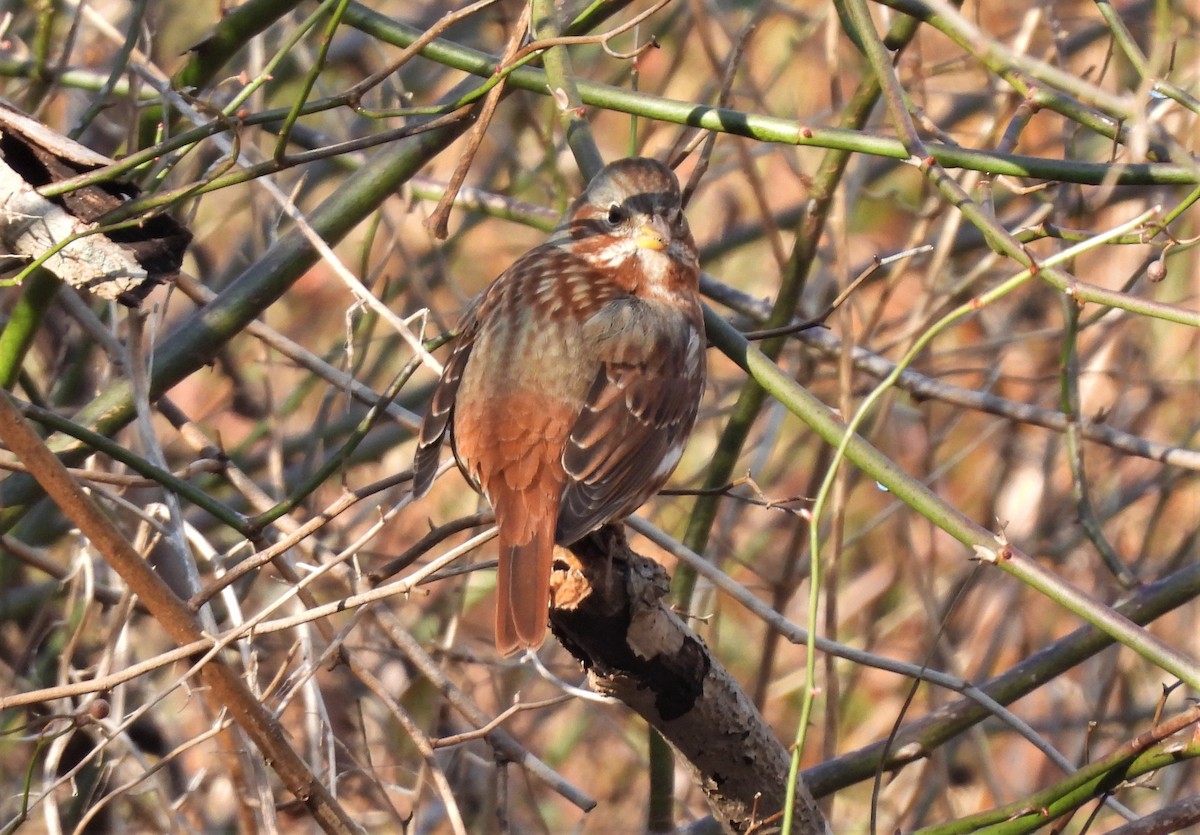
574	381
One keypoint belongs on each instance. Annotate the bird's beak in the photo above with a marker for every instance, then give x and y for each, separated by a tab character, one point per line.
651	238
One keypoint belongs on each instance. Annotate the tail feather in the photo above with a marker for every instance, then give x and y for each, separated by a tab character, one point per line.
513	446
523	591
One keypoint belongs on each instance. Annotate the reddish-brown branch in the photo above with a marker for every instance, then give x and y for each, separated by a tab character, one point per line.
223	686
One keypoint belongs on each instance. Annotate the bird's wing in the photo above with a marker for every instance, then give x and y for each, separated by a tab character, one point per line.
637	415
441	406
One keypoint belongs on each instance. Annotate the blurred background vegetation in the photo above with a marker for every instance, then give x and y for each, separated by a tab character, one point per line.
1062	411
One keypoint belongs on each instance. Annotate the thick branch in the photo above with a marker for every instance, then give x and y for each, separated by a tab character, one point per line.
608	611
224	685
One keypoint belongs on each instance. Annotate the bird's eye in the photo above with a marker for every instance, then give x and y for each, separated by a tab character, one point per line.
615	214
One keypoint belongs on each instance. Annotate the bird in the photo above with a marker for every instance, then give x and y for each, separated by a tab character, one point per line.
574	381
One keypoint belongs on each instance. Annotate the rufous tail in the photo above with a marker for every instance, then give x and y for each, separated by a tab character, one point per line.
523	590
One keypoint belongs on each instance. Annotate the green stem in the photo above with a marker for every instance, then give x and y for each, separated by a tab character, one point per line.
986	545
660	813
331	465
310	78
38	291
1094	781
774	129
1125	41
1069	402
196	340
562	80
237	27
917	739
118	452
809	228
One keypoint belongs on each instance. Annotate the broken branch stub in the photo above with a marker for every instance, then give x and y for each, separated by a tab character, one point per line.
123	264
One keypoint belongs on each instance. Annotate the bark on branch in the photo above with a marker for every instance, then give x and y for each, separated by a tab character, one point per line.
608	610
